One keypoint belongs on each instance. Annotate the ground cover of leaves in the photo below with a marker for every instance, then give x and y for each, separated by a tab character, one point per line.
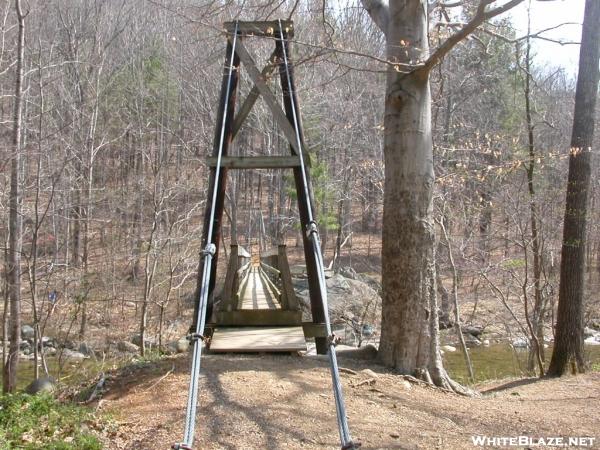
285	402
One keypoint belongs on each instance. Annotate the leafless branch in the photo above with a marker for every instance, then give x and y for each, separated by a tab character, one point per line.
480	16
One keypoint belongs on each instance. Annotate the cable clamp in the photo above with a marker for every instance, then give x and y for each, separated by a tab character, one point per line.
178	446
351	445
193	337
210	249
334	340
311	228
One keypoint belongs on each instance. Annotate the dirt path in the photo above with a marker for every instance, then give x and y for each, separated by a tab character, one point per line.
285	402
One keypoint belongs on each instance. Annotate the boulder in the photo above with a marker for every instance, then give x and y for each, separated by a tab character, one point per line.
70	354
137	340
348	272
448	348
404	384
520	343
470	340
351	274
346	297
588	332
127	347
170	348
71	345
27	332
366	352
473	330
369	373
86	349
182	345
445	321
298	271
44	384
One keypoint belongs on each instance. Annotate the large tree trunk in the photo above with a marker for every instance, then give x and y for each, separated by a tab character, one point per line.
568	347
409	329
408	234
408	260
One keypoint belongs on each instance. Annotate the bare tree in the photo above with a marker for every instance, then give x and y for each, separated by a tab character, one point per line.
568	347
14	244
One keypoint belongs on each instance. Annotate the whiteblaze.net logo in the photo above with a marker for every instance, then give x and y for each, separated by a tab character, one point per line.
519	441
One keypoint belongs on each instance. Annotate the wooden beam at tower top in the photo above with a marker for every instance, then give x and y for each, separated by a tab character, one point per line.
262	28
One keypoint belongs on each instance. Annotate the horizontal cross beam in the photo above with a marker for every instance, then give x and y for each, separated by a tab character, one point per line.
262	28
256	162
314	330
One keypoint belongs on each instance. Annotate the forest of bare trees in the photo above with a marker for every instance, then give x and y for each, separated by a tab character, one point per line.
107	115
453	179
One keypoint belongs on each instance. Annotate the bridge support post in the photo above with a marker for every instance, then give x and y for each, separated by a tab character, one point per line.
289	295
221	182
316	300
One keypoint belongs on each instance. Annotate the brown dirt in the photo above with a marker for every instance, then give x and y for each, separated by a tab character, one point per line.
285	402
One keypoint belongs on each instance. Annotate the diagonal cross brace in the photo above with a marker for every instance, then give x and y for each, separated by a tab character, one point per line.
259	82
253	96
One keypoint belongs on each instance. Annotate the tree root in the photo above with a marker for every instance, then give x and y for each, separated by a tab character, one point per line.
440	379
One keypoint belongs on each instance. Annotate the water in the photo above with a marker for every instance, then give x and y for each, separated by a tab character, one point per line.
500	361
493	362
73	371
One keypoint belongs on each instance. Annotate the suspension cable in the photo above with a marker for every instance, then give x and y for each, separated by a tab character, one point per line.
208	253
313	234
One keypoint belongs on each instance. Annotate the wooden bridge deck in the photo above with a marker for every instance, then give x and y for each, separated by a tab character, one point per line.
257	303
258	339
257	294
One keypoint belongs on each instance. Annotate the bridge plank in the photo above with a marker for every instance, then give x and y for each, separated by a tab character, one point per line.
257	295
258	339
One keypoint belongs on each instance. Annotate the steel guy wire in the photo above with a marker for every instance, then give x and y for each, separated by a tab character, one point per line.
313	235
207	254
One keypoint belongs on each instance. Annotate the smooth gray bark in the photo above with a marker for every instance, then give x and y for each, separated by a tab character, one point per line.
409	330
